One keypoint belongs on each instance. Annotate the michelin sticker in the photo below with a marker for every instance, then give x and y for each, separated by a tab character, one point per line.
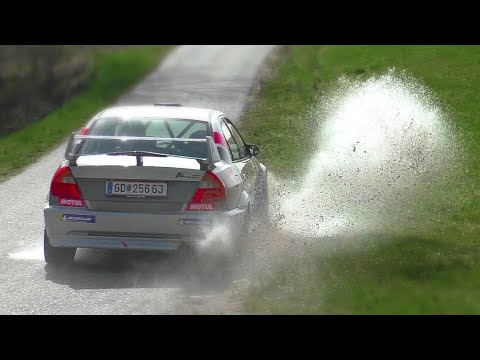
77	218
195	221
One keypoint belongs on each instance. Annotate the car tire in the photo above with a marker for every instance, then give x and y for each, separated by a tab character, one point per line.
262	208
57	255
242	241
218	266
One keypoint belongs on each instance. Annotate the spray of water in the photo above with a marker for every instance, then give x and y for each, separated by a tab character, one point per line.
381	143
216	240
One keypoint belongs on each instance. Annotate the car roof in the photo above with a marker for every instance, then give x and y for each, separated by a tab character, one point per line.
172	112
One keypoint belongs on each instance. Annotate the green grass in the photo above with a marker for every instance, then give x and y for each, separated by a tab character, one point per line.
112	73
428	264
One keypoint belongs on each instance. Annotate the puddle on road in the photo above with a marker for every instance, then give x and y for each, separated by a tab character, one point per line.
28	254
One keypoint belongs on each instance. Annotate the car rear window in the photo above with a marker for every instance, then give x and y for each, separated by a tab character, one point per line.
147	127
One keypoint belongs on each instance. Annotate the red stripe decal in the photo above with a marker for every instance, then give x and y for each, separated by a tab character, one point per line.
219	139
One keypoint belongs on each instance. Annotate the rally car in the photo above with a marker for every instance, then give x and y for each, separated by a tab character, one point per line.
152	177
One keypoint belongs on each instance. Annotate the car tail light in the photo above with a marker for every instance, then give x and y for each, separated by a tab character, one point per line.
210	194
84	131
66	189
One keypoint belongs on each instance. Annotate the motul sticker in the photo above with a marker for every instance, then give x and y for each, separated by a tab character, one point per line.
201	207
70	202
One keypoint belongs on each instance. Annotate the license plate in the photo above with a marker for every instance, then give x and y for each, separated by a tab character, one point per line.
130	188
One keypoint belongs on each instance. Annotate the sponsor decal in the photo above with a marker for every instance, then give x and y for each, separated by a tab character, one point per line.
201	207
219	139
77	218
195	221
70	202
185	176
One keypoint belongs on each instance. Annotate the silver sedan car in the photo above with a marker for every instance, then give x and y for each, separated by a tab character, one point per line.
155	177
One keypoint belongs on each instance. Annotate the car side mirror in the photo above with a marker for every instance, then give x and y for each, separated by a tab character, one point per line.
253	149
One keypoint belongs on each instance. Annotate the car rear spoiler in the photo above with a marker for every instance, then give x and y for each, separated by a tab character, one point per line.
76	140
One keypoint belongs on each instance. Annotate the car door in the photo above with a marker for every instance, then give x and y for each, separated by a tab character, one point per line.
246	164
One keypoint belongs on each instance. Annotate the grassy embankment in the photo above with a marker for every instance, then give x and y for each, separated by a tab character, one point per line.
431	263
111	73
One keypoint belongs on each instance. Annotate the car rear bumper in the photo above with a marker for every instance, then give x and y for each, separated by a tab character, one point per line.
83	228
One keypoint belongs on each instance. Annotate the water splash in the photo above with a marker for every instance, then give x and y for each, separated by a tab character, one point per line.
380	142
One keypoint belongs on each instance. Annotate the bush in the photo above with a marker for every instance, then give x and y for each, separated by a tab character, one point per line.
36	79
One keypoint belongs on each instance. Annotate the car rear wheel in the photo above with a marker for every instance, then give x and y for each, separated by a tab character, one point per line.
261	199
242	241
57	255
